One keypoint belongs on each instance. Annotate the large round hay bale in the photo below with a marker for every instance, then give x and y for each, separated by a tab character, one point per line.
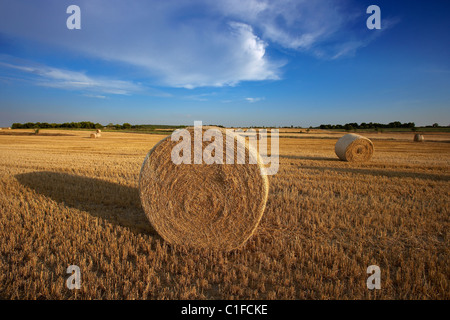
419	137
215	206
99	131
353	147
95	135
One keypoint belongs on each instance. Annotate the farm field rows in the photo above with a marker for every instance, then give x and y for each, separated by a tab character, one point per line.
69	200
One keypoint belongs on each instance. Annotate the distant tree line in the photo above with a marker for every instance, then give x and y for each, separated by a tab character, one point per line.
45	125
111	126
88	125
69	125
370	125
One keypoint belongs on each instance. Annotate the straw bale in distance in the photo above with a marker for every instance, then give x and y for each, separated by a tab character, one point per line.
99	131
215	206
419	137
353	147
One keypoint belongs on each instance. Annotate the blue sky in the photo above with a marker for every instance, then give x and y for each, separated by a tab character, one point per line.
229	62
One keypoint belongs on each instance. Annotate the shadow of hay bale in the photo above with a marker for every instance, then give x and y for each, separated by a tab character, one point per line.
112	202
384	173
292	157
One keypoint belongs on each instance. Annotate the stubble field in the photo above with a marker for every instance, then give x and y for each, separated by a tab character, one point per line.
69	200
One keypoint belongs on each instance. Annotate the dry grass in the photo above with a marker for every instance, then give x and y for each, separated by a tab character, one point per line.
73	200
330	134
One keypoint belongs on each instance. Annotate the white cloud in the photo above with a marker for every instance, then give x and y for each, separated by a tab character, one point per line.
220	58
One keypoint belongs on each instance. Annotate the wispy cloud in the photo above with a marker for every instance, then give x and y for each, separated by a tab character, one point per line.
45	76
97	96
327	29
253	100
201	96
349	48
291	24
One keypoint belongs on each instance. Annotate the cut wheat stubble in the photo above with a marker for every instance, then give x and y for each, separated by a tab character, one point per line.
354	148
215	206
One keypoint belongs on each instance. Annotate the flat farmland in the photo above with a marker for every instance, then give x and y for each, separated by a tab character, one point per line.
66	199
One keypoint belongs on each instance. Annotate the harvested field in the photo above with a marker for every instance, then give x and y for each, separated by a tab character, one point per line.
397	136
71	200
